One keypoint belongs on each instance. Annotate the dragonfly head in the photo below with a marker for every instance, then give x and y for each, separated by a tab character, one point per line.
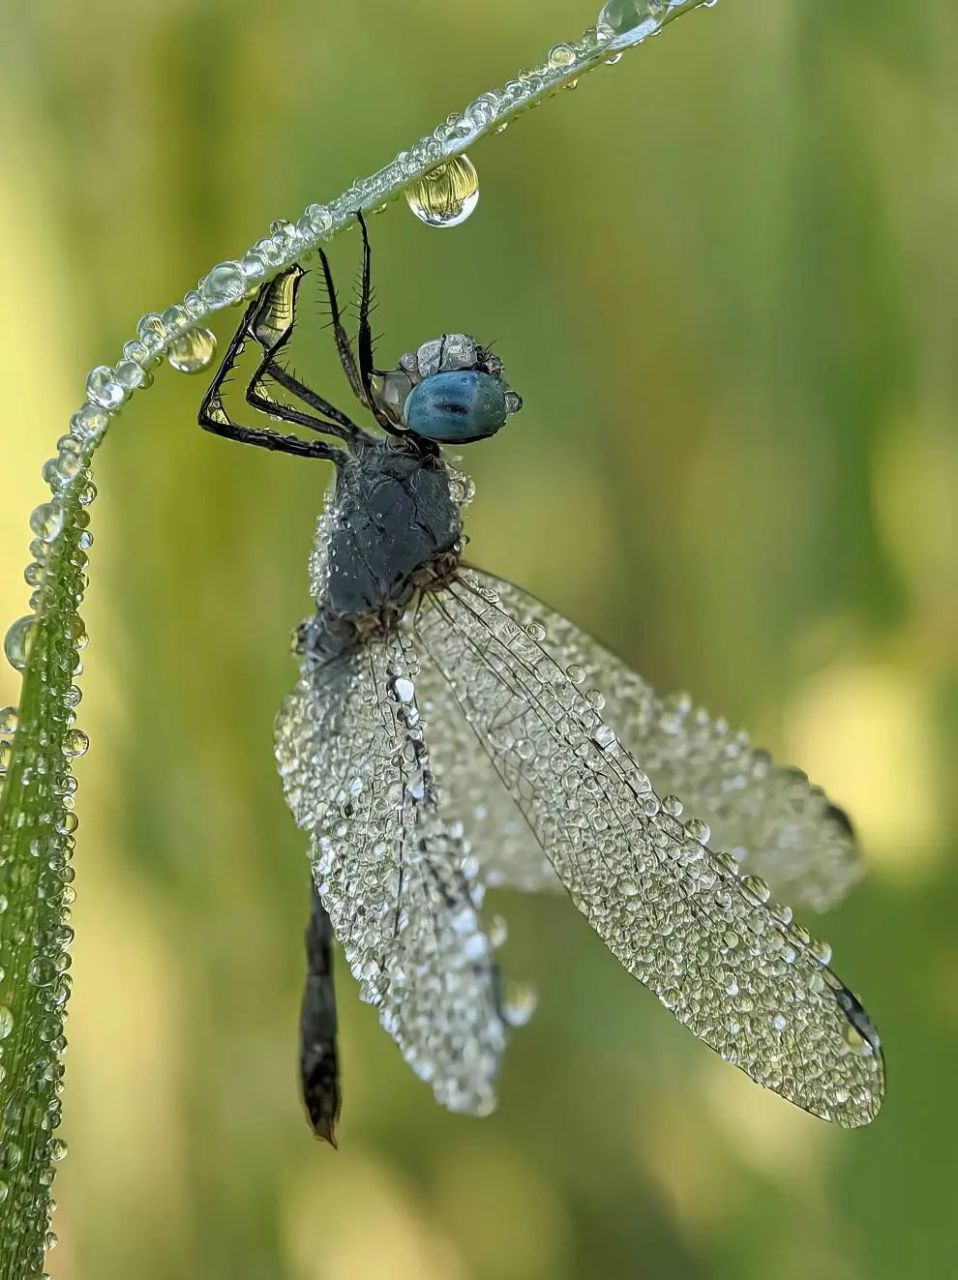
450	390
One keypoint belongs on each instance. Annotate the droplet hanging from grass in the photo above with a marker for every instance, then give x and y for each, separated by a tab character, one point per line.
623	23
193	351
17	642
636	18
446	195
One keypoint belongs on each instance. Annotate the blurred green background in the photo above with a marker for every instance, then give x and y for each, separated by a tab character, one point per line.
724	276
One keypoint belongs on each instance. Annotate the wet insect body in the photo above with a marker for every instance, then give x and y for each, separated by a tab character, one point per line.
447	733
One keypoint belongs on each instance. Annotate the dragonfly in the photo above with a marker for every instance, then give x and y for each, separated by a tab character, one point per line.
449	732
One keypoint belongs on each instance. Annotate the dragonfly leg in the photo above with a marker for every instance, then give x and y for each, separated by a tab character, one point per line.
358	375
213	416
272	326
365	339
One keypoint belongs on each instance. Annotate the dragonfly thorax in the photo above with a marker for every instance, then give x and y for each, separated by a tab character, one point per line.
392	525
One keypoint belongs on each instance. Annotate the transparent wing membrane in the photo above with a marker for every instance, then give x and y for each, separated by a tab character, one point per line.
704	938
505	850
391	873
766	815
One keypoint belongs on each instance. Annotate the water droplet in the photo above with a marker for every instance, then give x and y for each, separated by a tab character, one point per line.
4	1190
6	755
68	462
6	1022
561	55
89	424
176	319
130	375
446	195
137	352
46	520
519	1003
254	265
226	283
9	719
75	742
58	1149
698	830
193	305
403	690
17	642
42	972
77	632
672	805
193	351
151	332
635	19
283	234
317	220
757	888
103	389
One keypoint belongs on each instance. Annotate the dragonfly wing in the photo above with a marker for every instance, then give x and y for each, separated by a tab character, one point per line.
390	871
766	815
682	920
506	851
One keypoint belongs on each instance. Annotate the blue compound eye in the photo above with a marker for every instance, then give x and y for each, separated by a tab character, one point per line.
457	407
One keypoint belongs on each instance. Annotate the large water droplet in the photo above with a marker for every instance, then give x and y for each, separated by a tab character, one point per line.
6	1022
16	643
446	195
46	520
193	351
103	389
9	719
225	283
75	742
633	18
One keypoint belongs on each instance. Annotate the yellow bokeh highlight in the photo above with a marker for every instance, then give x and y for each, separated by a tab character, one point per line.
863	730
504	1211
352	1217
